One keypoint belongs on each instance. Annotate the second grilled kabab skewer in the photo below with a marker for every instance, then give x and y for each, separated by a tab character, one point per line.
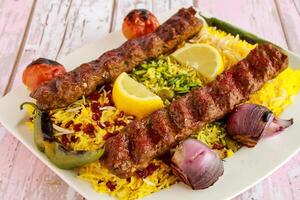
143	140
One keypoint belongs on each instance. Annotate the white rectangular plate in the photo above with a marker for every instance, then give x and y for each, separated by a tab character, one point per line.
244	169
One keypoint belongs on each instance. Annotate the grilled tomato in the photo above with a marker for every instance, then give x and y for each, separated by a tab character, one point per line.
139	22
40	71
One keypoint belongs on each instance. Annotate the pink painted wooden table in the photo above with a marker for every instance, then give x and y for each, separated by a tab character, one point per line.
53	28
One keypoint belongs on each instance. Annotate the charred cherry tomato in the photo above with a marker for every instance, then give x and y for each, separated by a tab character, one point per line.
139	22
40	71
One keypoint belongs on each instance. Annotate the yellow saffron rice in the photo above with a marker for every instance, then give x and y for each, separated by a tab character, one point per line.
277	94
231	47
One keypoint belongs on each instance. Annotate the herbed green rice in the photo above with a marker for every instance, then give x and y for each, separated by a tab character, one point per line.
165	77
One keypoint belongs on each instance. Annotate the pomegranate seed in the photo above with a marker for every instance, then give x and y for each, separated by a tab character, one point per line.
150	169
74	139
96	116
217	146
95	107
107	124
141	173
111	185
89	129
77	127
121	114
120	123
68	124
64	140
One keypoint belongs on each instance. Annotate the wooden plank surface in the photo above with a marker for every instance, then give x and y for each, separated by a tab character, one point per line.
290	17
14	18
59	27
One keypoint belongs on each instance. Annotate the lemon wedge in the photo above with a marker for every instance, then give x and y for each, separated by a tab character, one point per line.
134	98
203	57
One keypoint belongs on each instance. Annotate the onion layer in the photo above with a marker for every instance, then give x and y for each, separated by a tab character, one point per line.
250	122
196	164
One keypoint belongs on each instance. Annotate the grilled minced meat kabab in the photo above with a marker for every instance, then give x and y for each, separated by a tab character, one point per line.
64	90
142	140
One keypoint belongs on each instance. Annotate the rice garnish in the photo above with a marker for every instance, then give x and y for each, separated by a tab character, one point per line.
94	119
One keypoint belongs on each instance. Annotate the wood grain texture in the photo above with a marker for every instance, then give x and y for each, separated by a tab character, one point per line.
25	177
14	16
290	17
60	26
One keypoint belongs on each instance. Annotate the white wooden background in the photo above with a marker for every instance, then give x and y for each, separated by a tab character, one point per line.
53	28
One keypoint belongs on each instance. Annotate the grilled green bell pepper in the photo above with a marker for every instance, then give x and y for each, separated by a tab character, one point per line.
38	135
56	153
65	159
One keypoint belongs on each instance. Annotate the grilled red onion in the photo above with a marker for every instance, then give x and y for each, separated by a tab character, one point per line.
250	122
196	164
